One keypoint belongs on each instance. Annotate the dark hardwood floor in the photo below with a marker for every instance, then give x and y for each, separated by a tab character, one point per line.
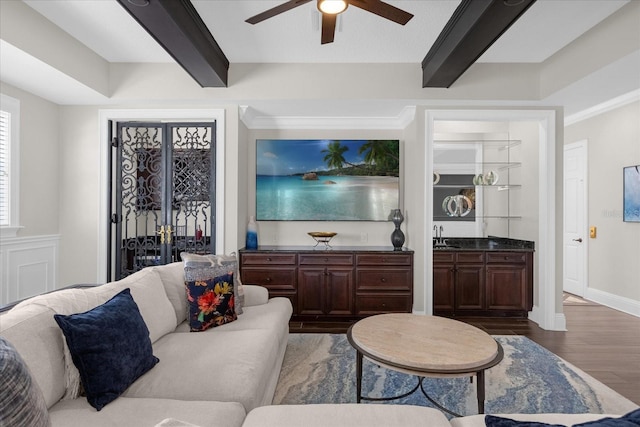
601	341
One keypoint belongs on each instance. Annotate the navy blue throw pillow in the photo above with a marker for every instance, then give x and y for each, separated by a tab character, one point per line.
110	346
632	419
493	421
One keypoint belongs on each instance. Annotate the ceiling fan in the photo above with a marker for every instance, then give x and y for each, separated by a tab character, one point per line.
330	10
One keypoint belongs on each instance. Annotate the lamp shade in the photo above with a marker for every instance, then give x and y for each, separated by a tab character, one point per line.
332	7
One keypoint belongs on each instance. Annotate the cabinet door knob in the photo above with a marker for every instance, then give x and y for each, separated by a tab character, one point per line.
383	280
269	259
268	279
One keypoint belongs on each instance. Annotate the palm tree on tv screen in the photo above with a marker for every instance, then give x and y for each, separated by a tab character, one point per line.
334	157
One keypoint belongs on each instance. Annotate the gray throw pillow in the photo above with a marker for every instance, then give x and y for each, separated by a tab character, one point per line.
21	400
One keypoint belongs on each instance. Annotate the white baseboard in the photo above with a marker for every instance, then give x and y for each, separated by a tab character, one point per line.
29	266
626	305
558	322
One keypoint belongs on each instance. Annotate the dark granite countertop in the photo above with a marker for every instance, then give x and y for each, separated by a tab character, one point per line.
322	248
490	243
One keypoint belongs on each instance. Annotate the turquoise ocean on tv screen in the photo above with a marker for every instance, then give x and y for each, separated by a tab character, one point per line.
330	198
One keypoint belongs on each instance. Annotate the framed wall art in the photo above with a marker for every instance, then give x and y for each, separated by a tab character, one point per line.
327	180
631	195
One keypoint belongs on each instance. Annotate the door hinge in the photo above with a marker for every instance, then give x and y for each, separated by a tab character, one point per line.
114	219
114	142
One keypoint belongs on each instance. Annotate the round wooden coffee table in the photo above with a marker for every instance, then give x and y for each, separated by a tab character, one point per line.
425	346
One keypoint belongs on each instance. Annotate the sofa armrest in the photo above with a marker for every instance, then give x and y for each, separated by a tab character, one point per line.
255	295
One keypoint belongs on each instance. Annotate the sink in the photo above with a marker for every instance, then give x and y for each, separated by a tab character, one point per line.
444	245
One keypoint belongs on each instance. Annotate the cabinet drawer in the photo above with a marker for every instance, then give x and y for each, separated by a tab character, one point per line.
374	304
475	257
379	279
271	278
383	259
444	257
506	257
326	259
268	259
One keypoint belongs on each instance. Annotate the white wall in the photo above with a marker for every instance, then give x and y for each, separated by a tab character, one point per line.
29	261
613	142
39	157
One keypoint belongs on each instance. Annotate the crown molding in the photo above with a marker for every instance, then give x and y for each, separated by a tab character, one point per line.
253	121
612	104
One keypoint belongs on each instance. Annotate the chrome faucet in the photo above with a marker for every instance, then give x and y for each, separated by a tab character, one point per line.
438	232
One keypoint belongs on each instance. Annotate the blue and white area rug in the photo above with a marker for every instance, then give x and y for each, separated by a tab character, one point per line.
320	368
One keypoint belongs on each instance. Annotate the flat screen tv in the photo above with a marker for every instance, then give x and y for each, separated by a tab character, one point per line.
327	179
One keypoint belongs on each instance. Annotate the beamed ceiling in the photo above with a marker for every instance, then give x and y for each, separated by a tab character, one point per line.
443	39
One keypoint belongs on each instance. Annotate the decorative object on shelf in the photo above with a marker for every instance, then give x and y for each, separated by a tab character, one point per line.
457	205
199	233
478	179
436	178
491	178
397	236
322	237
252	234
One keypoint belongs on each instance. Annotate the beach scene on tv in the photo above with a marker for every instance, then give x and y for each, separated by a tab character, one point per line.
327	179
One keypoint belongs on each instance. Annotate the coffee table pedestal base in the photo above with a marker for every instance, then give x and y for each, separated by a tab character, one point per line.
359	397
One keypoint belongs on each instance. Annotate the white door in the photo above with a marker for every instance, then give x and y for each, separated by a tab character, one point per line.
575	218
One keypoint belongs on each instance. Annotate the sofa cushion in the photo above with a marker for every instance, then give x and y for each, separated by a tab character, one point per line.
210	296
345	415
150	296
110	346
202	267
34	333
21	401
225	366
67	301
172	422
172	276
128	412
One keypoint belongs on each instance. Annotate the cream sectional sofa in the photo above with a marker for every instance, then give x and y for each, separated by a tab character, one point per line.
225	376
211	378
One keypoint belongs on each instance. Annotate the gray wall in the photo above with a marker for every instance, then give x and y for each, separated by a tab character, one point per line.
613	142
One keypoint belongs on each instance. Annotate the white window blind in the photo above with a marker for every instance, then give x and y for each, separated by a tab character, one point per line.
5	171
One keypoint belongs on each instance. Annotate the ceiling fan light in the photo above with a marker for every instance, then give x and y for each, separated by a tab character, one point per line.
332	7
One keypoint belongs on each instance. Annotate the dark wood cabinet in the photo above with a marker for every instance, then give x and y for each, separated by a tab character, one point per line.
337	283
325	284
482	283
384	283
276	272
509	281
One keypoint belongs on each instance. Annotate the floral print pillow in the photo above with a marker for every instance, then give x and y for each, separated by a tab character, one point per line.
211	302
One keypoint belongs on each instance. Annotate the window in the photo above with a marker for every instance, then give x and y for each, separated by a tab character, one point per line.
9	161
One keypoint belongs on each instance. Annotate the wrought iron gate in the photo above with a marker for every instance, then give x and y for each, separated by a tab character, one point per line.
163	194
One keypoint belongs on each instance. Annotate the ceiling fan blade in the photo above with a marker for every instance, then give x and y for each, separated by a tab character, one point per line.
328	28
276	11
383	9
